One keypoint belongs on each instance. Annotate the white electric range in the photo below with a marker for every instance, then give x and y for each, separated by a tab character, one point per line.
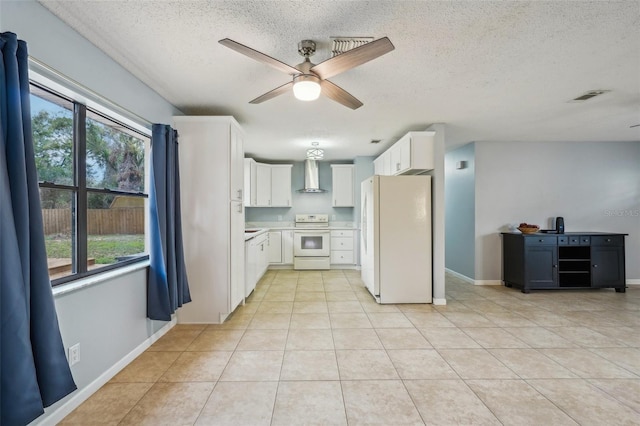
311	242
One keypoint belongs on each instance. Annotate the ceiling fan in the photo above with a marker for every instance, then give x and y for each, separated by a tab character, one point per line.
310	80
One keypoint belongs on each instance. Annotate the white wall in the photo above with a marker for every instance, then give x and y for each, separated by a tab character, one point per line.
460	211
107	319
594	186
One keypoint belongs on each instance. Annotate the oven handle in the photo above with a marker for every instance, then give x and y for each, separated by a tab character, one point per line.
312	232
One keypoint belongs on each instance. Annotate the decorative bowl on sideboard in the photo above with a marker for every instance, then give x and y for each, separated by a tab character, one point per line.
528	230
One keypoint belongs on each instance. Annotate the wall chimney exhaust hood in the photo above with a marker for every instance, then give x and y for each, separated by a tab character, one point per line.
311	180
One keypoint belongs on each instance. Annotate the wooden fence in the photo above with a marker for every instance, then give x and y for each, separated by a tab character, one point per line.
99	221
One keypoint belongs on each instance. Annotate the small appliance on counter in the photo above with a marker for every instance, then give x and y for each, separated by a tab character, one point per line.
559	227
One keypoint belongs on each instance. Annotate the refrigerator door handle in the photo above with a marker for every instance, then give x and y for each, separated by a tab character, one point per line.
364	223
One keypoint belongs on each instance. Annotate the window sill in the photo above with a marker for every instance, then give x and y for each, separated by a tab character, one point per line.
98	278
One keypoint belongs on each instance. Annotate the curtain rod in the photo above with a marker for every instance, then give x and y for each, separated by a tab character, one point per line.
54	75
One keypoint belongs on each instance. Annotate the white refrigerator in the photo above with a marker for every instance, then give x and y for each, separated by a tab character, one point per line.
395	238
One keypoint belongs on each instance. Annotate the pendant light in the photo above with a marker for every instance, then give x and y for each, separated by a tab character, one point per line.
315	153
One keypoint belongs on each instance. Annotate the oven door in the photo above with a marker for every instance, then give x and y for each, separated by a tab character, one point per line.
311	243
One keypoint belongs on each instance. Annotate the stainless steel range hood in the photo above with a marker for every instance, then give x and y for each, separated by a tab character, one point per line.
311	180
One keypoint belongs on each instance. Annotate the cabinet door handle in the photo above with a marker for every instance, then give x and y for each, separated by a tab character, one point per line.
595	266
239	208
397	167
541	240
608	240
240	194
555	266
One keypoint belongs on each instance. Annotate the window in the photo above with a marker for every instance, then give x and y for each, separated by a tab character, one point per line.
91	171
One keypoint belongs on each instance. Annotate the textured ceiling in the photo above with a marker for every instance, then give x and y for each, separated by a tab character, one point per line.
492	71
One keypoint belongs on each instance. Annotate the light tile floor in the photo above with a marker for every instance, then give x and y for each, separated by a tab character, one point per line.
313	348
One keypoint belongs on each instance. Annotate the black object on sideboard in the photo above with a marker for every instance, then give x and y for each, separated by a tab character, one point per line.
575	260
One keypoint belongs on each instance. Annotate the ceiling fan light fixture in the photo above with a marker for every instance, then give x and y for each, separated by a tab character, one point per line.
306	87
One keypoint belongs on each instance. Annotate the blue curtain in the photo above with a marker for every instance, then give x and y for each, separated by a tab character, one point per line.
168	285
33	367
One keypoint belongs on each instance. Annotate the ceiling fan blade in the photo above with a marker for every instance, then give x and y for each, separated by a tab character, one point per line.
339	95
258	56
352	58
272	94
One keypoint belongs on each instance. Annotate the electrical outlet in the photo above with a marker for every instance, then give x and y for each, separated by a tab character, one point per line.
74	354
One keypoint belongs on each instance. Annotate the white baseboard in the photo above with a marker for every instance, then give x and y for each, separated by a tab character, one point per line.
471	280
487	282
440	302
83	394
460	276
633	282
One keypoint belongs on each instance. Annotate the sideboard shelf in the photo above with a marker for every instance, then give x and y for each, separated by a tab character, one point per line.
563	261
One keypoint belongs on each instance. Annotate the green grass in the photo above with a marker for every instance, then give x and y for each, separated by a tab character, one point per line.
103	248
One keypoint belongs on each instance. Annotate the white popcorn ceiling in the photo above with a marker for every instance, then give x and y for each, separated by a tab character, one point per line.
492	71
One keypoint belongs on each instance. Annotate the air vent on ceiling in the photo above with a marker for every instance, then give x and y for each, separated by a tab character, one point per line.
342	44
590	94
376	140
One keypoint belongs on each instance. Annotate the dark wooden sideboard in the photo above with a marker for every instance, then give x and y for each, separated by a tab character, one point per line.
576	260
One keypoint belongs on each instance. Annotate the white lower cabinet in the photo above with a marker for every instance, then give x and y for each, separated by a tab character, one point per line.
250	257
275	247
281	247
256	261
342	247
263	255
287	247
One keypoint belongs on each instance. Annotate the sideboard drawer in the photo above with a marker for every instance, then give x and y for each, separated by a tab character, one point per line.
574	240
607	240
541	240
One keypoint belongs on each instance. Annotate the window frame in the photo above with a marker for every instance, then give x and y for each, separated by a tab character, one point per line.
79	188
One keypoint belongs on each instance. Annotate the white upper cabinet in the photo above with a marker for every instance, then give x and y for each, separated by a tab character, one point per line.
412	154
343	179
263	185
267	185
378	165
281	185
